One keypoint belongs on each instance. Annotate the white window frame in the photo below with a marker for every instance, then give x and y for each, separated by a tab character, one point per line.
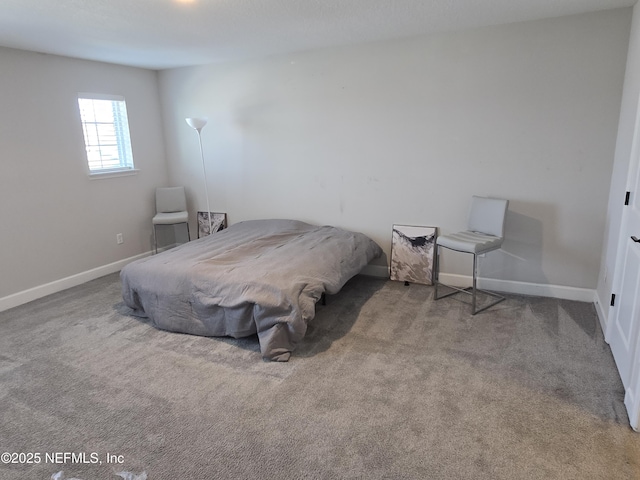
107	140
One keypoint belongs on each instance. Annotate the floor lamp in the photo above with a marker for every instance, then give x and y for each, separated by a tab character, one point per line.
198	124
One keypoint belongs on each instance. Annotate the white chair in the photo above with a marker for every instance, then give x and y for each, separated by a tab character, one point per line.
485	233
171	209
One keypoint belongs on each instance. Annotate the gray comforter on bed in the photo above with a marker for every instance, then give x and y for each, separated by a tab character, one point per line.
259	276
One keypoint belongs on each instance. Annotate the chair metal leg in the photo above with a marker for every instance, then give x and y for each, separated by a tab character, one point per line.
474	288
436	270
436	280
155	239
498	298
155	234
475	274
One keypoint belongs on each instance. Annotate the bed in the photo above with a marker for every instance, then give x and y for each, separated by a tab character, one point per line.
259	277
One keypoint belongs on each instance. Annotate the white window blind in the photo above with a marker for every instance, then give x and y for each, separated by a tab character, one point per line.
106	133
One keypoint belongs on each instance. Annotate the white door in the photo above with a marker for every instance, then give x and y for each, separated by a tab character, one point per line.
623	332
628	317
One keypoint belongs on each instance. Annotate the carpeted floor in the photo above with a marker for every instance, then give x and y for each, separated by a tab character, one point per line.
387	385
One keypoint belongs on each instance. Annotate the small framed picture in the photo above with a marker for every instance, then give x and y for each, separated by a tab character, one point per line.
412	250
218	222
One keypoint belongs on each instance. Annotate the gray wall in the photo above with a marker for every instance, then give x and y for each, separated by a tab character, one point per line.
360	137
56	222
406	131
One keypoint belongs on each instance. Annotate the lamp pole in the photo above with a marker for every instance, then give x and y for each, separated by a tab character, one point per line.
198	124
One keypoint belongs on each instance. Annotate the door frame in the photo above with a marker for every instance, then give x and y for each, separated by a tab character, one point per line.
630	365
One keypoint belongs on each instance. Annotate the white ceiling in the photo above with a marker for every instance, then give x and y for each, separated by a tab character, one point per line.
160	34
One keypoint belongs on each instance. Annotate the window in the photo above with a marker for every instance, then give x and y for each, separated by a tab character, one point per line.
106	133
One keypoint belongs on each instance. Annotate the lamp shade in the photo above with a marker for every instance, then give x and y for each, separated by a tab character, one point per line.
196	123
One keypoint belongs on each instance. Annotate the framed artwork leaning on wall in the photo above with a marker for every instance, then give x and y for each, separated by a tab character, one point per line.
412	250
218	222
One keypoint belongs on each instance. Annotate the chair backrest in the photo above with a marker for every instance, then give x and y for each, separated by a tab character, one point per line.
170	199
487	215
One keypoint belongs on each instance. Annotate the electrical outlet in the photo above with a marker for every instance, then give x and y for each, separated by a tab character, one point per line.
119	239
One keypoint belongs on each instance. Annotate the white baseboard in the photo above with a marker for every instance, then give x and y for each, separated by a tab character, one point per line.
375	271
523	288
40	291
602	317
505	286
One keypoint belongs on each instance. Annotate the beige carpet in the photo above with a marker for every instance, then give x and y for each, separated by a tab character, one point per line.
387	385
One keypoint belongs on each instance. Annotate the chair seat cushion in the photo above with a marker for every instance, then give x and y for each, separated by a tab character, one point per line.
170	218
470	242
